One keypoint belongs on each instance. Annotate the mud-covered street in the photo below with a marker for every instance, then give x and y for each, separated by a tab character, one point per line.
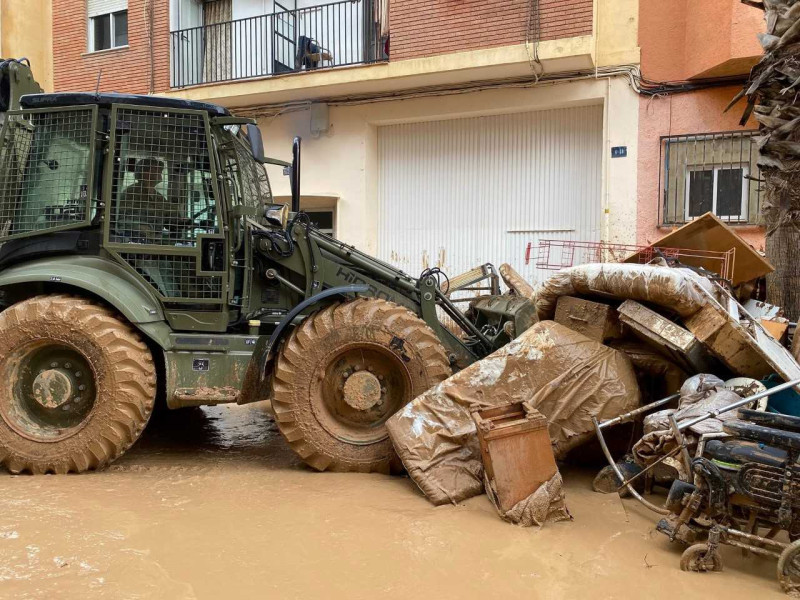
212	504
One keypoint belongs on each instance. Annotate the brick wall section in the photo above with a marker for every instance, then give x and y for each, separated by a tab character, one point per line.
418	28
565	18
124	69
428	27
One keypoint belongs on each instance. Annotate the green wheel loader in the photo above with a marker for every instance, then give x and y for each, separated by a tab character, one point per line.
142	256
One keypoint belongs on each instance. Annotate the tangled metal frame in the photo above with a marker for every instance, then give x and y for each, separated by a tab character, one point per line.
677	430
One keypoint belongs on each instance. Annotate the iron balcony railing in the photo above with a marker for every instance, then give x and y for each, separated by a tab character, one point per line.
710	172
289	40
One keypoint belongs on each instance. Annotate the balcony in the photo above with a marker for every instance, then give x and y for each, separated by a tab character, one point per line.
288	40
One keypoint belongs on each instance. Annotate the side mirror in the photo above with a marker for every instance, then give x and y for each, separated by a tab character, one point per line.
256	142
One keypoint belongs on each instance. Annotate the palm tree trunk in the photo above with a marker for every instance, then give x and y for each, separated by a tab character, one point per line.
773	98
781	210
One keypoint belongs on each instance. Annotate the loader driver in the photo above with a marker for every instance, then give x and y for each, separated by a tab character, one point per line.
146	217
145	214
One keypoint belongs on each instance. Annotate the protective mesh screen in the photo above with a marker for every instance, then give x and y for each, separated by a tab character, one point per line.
249	179
175	276
45	170
162	192
255	184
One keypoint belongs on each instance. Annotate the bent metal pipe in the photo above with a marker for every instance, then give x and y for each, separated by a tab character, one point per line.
626	483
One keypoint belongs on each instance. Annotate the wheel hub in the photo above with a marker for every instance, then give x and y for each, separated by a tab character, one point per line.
359	387
362	390
52	388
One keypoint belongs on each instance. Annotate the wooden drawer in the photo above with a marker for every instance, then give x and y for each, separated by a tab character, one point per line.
516	450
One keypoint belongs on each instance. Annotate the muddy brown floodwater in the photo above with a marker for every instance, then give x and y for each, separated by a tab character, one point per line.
212	504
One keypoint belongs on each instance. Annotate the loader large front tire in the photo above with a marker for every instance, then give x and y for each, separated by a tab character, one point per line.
77	386
343	372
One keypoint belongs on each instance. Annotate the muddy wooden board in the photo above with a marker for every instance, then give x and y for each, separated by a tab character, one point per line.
595	320
669	338
745	347
777	329
710	233
796	346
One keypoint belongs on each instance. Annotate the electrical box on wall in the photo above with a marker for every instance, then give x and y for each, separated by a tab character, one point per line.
320	119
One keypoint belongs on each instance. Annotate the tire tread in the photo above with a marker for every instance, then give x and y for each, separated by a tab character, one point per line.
133	385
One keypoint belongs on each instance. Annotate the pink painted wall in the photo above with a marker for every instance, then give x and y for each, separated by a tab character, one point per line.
719	32
746	21
681	39
674	46
662	38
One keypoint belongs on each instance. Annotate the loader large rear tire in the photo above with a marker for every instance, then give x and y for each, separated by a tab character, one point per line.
77	386
343	372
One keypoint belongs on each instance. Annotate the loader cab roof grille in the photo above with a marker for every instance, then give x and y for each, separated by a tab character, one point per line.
107	99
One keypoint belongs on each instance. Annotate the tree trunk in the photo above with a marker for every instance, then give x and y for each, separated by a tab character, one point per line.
773	94
781	210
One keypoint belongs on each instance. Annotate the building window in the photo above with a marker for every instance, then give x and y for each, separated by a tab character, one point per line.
108	24
322	219
721	190
715	173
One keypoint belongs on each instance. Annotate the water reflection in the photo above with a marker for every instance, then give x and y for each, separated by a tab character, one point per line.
216	431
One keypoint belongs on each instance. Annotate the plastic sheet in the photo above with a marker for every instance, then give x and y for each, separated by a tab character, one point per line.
694	391
651	364
698	387
658	438
679	290
563	374
546	505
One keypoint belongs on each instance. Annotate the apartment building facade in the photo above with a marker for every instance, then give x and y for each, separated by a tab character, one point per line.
435	133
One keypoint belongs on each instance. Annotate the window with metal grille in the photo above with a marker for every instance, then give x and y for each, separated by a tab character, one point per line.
162	192
715	172
45	171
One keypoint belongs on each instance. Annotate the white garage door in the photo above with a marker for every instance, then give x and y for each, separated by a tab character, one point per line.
462	192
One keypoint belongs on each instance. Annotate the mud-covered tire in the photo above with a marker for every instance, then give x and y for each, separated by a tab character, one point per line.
695	559
105	408
328	425
789	569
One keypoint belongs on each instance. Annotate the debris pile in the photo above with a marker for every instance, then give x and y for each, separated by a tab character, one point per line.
669	346
563	374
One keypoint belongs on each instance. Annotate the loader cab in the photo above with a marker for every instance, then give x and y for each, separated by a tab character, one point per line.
166	185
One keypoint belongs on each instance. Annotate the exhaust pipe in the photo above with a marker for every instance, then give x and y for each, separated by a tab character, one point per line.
295	183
